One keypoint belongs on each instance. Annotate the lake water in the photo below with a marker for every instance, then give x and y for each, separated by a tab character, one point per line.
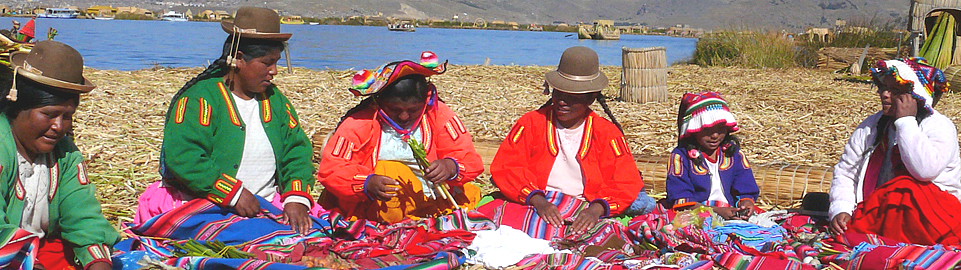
132	45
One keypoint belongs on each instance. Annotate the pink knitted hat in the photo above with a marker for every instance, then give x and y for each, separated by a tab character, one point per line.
703	110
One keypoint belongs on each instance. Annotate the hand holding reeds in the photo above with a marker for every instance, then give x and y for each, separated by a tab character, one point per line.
439	187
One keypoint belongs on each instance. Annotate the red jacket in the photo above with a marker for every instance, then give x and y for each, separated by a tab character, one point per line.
524	161
351	154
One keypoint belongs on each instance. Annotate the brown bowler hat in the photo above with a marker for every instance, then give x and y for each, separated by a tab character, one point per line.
53	64
577	72
255	22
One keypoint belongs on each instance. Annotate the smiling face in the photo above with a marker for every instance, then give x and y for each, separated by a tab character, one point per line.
709	139
888	89
571	109
253	76
37	130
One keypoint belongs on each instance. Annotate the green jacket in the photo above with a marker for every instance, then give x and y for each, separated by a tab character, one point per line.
204	142
75	215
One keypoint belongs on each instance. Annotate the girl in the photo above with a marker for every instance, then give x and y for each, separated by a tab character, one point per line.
707	166
231	134
44	183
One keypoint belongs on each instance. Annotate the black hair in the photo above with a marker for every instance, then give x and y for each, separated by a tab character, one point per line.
601	99
250	47
30	94
408	88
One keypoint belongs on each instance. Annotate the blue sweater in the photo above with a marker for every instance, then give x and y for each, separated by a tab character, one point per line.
687	183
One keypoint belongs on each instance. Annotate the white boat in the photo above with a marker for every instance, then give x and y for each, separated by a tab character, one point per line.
173	16
59	13
103	18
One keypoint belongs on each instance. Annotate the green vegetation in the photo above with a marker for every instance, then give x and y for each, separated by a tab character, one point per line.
745	49
939	46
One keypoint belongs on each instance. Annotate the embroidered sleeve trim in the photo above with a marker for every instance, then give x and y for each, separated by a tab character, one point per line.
291	123
224	190
181	110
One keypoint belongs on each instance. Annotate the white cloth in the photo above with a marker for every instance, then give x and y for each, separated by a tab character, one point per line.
566	175
506	246
394	148
35	177
717	189
257	165
929	152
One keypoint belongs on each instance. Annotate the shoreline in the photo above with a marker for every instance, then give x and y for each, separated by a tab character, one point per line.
787	117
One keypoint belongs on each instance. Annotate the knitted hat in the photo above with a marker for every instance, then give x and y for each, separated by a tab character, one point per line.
703	110
926	79
367	82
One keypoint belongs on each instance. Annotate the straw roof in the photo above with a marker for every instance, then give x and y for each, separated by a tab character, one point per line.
788	116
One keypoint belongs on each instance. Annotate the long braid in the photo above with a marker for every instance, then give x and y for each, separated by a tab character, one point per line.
601	99
218	68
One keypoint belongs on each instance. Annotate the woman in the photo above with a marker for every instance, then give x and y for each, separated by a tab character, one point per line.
42	176
899	174
368	168
564	152
231	134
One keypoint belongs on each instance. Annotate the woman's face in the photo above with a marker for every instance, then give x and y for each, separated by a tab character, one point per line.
37	130
255	74
571	109
888	90
709	139
404	113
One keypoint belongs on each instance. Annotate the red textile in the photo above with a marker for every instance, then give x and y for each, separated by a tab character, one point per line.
351	155
53	255
910	211
525	159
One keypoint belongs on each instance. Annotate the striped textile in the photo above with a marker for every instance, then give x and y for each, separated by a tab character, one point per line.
431	243
525	218
19	248
738	261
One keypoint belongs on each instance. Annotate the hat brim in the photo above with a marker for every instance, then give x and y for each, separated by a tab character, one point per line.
399	70
18	60
228	27
557	81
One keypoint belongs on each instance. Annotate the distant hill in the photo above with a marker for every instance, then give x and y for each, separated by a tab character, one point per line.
791	15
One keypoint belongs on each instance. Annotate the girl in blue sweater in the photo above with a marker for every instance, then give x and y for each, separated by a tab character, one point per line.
707	166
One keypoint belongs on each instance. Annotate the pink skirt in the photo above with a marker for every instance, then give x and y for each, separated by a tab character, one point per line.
159	198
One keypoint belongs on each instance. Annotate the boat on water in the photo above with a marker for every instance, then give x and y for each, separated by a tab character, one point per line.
173	16
292	20
102	17
313	23
401	27
59	13
600	29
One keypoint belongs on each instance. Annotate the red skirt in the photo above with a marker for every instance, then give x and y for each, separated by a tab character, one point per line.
910	211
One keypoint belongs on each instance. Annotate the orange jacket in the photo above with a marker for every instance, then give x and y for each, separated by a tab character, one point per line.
352	151
524	161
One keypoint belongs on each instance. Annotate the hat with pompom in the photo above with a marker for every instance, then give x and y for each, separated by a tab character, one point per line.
703	110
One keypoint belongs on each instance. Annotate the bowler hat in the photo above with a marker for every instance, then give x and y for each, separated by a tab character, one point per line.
254	22
53	64
578	72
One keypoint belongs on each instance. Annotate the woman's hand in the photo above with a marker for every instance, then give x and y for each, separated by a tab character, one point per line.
839	223
381	187
588	218
99	266
546	210
441	170
247	205
904	105
296	215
